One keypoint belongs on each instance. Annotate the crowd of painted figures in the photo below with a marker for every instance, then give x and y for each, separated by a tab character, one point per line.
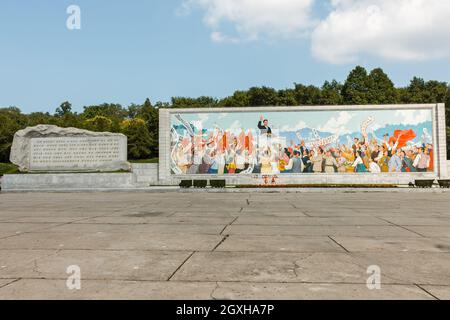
363	156
227	153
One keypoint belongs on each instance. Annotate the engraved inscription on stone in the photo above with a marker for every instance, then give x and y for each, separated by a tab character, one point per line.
67	152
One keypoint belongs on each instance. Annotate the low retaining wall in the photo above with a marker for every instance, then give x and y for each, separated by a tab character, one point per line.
142	175
393	179
66	181
146	175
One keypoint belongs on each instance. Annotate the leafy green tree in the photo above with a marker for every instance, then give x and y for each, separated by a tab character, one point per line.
307	95
381	89
65	117
331	93
11	120
355	89
201	102
263	96
36	118
150	115
238	99
115	112
132	110
99	124
139	138
63	109
287	97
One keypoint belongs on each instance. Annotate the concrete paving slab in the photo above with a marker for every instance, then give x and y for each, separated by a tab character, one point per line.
140	228
12	260
111	241
199	214
11	227
248	243
278	243
310	221
52	220
271	213
4	282
38	289
355	244
396	268
272	267
100	265
357	231
409	267
128	219
440	292
305	291
431	231
419	221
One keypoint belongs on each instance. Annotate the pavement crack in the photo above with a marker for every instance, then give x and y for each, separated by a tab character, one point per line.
426	291
297	265
12	281
220	242
181	265
403	227
211	295
340	245
229	224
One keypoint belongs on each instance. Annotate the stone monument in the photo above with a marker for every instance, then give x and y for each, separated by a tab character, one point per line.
49	148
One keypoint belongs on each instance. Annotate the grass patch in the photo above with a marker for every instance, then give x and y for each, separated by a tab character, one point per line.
8	168
153	160
380	186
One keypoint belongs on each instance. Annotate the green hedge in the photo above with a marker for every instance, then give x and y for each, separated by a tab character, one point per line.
153	160
6	168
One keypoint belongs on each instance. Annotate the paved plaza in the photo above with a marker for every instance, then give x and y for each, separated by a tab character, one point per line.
171	245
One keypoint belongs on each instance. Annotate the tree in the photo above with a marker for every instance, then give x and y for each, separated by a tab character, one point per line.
150	115
331	93
420	91
114	112
355	89
99	124
307	95
36	118
381	89
11	120
63	109
200	102
263	96
287	97
238	99
65	117
139	138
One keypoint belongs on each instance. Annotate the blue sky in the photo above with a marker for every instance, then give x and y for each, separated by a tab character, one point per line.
127	51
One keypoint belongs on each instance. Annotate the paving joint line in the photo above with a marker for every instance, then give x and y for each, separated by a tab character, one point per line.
340	245
402	227
426	291
181	265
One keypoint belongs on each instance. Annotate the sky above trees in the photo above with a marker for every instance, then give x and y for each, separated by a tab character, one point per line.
128	51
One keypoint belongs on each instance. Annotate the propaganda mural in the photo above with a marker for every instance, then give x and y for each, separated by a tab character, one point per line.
302	142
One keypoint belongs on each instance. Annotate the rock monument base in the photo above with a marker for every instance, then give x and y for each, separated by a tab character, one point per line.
49	148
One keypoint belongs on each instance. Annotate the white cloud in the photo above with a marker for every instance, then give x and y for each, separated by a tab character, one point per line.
414	117
399	30
253	19
299	126
338	124
411	30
